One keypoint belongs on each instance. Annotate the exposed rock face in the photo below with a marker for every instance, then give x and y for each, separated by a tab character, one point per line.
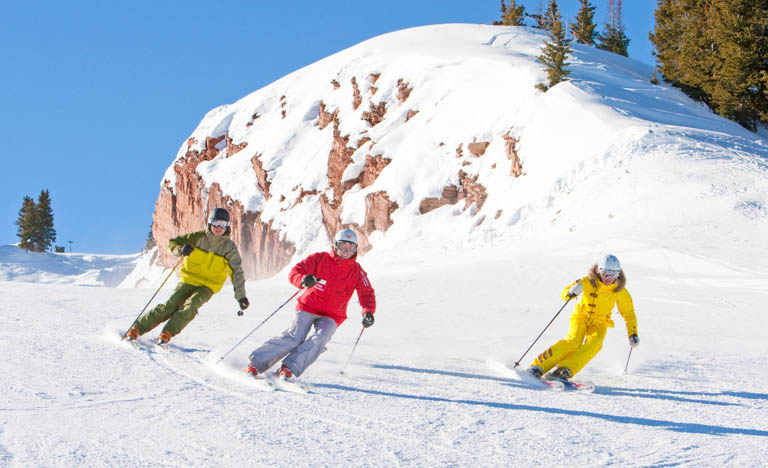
339	159
261	175
478	148
511	148
357	99
470	191
184	208
378	212
403	90
324	118
376	114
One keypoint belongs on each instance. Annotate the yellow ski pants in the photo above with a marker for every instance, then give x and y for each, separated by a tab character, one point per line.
583	343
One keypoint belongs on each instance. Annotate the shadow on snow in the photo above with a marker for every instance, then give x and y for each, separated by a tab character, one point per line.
693	428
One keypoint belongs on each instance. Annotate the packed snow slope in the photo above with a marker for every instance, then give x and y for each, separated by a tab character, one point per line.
613	164
608	139
427	384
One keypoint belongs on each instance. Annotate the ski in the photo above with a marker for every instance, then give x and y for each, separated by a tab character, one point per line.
292	386
528	378
262	383
574	385
164	347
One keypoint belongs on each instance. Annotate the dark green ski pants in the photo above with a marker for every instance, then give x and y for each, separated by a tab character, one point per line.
179	310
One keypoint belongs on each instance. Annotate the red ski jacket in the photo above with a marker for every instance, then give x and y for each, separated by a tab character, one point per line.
341	277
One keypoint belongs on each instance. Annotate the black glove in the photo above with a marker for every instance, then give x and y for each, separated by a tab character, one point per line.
308	281
634	341
187	249
367	320
243	301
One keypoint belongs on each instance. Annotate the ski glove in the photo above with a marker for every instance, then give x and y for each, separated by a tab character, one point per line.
308	281
575	290
243	302
187	249
367	320
634	341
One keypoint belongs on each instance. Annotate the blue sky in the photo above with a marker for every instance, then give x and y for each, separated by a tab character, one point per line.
96	97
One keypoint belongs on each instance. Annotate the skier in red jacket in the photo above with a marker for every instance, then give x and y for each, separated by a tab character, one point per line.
330	279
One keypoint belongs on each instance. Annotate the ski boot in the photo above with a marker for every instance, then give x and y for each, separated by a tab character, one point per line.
562	373
284	373
535	371
132	334
163	339
251	371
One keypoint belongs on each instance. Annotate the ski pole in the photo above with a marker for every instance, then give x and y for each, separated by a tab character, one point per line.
517	363
150	299
630	355
353	350
259	325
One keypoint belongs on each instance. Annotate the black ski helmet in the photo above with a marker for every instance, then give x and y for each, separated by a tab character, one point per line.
219	213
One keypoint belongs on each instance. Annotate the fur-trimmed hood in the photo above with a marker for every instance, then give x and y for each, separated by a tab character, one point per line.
594	277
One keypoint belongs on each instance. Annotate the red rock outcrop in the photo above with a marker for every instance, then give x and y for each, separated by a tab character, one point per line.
449	197
261	175
378	212
511	149
324	117
253	118
234	149
373	167
339	159
403	90
181	209
477	147
469	190
357	99
376	114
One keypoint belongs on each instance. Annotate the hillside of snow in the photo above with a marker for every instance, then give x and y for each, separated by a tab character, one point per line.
634	153
611	164
71	268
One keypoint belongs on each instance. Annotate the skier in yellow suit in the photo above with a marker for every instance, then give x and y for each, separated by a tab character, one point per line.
603	288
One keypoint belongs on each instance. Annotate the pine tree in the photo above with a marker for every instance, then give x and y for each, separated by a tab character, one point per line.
549	15
149	243
539	18
511	15
715	51
584	27
666	37
554	52
614	40
43	233
24	223
738	89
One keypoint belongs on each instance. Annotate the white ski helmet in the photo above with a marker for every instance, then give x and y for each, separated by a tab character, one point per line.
608	262
345	235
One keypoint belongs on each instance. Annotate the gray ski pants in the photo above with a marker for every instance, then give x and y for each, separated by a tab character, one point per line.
301	353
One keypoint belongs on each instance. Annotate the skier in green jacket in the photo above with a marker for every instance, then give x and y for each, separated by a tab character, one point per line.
211	256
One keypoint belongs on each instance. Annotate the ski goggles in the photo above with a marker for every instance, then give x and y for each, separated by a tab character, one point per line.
220	223
613	274
346	247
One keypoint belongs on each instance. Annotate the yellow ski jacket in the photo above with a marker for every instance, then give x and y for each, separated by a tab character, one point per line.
214	259
598	299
